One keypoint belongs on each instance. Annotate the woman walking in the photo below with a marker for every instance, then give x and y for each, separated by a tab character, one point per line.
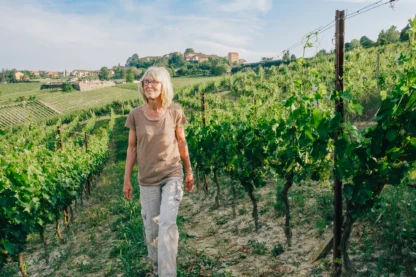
157	141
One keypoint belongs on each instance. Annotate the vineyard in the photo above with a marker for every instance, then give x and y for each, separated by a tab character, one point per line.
12	113
24	112
266	147
40	180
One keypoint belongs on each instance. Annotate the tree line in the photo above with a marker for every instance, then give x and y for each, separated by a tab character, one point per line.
176	64
391	35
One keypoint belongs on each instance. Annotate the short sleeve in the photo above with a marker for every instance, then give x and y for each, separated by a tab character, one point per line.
180	118
130	122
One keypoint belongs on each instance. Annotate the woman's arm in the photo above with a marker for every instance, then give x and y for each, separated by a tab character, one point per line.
184	153
130	160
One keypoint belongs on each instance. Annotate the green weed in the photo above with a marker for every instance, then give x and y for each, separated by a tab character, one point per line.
257	248
278	250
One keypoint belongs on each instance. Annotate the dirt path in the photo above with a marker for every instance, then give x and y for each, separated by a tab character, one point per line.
244	252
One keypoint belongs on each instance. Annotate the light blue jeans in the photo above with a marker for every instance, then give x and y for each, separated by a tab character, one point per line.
160	206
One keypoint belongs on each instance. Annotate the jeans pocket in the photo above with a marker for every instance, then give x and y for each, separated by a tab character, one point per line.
179	191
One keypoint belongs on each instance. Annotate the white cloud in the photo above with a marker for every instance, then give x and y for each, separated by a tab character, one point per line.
217	29
46	36
370	1
262	6
237	6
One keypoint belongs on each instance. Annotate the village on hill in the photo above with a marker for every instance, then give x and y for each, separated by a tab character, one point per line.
188	56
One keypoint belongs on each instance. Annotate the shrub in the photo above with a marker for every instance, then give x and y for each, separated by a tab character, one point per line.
277	250
67	87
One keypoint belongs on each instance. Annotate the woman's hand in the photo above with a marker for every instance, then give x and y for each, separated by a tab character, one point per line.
189	181
128	190
130	160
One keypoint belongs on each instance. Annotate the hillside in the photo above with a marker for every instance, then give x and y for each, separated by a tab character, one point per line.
58	102
262	146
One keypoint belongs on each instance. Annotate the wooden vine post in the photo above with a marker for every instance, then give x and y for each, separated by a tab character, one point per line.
203	108
339	110
86	142
86	151
58	131
378	66
204	124
22	265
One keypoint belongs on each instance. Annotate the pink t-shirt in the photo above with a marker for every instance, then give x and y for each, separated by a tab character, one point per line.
157	148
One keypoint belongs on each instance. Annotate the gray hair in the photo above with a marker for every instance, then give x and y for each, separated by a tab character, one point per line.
161	75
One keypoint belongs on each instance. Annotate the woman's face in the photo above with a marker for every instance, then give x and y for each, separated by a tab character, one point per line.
152	88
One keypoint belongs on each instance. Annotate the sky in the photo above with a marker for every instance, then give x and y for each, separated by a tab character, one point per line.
88	34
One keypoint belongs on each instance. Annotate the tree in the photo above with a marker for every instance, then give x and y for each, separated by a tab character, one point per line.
392	34
382	39
133	60
130	77
293	58
120	73
404	35
182	71
219	69
170	70
176	60
266	59
286	57
67	87
321	54
205	65
354	44
366	42
189	50
104	74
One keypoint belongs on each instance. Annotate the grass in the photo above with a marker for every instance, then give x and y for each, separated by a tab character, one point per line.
180	82
394	217
81	100
10	92
76	100
18	87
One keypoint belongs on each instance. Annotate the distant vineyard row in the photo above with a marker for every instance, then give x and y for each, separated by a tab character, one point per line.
23	112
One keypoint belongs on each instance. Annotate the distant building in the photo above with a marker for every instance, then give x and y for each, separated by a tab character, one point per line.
242	61
35	73
199	57
53	74
170	54
188	56
18	75
233	57
84	73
